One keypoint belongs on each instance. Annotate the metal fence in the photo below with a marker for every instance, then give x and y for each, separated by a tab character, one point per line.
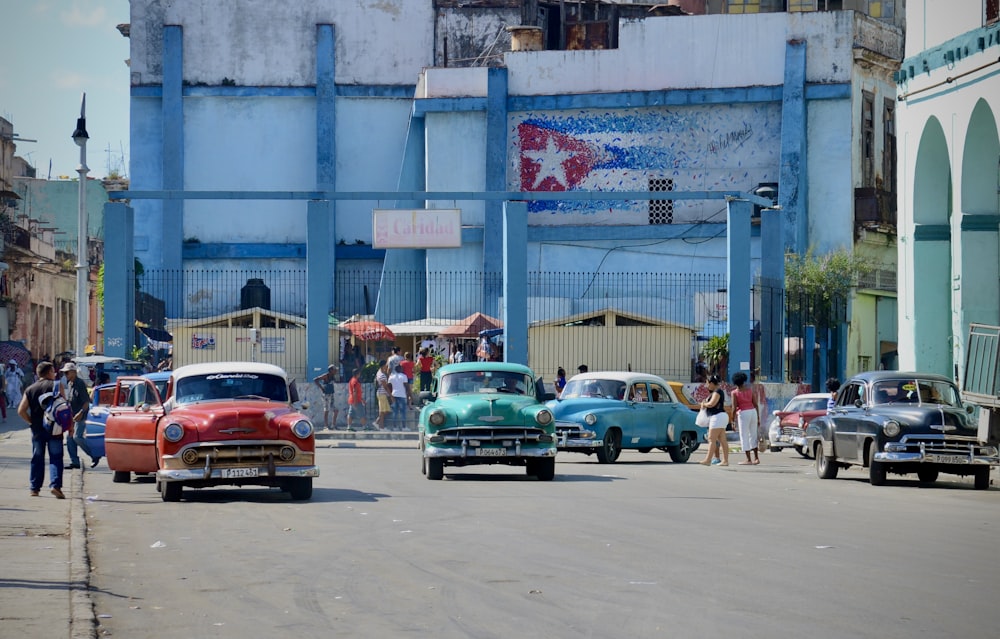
650	322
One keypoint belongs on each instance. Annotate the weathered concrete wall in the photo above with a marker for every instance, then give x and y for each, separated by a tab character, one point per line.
266	43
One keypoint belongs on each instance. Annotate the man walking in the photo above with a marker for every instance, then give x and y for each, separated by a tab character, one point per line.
30	409
75	392
325	384
355	401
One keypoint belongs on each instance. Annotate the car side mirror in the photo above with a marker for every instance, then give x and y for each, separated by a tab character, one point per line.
858	403
969	408
293	392
427	397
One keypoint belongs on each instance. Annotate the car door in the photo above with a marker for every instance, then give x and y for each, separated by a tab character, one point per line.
130	434
847	420
663	410
643	432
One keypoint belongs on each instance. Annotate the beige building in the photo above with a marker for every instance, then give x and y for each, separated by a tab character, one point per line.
610	339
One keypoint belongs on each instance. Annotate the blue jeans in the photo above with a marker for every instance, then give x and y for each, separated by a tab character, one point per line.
54	446
78	441
399	411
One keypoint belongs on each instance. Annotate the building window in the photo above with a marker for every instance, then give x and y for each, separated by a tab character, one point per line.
661	211
867	139
889	145
992	8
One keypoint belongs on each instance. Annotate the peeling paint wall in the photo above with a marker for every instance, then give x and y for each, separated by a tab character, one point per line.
266	43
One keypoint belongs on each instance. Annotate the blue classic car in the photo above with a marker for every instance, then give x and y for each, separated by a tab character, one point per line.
604	413
100	400
486	413
894	422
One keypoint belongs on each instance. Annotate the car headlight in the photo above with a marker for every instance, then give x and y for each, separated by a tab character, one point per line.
590	418
302	428
436	418
891	428
173	432
543	417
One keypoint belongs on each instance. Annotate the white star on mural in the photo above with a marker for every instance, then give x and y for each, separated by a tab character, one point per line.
550	163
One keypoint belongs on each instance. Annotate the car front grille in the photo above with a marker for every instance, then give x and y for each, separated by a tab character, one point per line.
940	445
497	435
792	431
240	454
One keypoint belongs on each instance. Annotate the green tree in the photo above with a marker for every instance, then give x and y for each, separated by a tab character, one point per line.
827	276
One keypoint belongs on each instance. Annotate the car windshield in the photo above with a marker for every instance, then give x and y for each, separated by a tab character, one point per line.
607	388
915	391
198	388
803	404
484	382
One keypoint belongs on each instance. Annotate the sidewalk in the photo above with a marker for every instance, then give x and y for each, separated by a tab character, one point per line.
43	551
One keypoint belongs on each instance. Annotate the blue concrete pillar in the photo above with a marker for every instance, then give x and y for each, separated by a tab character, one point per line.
772	296
496	180
792	184
119	280
823	363
172	229
808	354
321	215
515	282
738	255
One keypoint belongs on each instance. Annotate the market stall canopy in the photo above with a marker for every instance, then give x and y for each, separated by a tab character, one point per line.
369	330
16	351
471	326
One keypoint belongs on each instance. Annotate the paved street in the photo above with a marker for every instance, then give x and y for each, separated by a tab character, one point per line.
641	548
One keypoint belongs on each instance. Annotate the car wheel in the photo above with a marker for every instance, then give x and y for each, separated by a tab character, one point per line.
927	475
301	488
435	468
826	467
121	477
876	470
644	450
545	469
171	490
983	478
682	451
611	448
802	451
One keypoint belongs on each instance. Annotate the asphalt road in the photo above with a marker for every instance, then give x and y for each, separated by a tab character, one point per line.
640	548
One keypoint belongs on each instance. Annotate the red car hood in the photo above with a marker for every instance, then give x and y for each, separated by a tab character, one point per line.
219	421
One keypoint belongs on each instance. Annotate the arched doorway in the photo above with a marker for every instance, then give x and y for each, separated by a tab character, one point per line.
931	286
980	235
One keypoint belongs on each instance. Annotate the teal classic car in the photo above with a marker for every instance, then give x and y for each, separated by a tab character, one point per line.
486	413
603	413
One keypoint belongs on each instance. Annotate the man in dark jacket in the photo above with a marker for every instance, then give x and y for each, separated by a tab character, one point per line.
30	409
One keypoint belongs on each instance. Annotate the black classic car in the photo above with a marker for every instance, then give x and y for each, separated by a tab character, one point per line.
895	422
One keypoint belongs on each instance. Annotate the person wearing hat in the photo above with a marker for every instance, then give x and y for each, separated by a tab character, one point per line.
325	384
582	368
74	390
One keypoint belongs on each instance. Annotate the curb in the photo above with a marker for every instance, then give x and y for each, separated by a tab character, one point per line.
82	622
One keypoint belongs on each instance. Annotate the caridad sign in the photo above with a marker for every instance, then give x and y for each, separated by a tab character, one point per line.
417	228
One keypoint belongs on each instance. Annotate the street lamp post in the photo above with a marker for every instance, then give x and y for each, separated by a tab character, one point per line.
82	261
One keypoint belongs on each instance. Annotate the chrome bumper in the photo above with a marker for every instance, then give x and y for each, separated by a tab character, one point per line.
200	474
935	458
577	443
470	452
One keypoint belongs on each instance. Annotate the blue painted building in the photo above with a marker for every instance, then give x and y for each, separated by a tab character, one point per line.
352	97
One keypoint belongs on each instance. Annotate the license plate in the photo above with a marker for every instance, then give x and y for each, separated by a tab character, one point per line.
240	473
950	459
491	452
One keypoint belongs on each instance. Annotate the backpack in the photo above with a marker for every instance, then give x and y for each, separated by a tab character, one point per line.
57	413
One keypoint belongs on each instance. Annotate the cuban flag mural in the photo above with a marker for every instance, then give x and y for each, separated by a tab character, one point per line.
701	148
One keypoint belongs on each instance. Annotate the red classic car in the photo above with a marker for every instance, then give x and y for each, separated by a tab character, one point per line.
226	423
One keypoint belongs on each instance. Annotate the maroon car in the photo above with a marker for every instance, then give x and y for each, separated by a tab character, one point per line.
787	427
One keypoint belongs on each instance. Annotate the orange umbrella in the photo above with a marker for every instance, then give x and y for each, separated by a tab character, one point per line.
369	330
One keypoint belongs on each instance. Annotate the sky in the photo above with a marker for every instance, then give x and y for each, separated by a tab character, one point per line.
51	52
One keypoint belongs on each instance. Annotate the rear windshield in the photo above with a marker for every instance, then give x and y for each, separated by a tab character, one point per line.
803	405
231	386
